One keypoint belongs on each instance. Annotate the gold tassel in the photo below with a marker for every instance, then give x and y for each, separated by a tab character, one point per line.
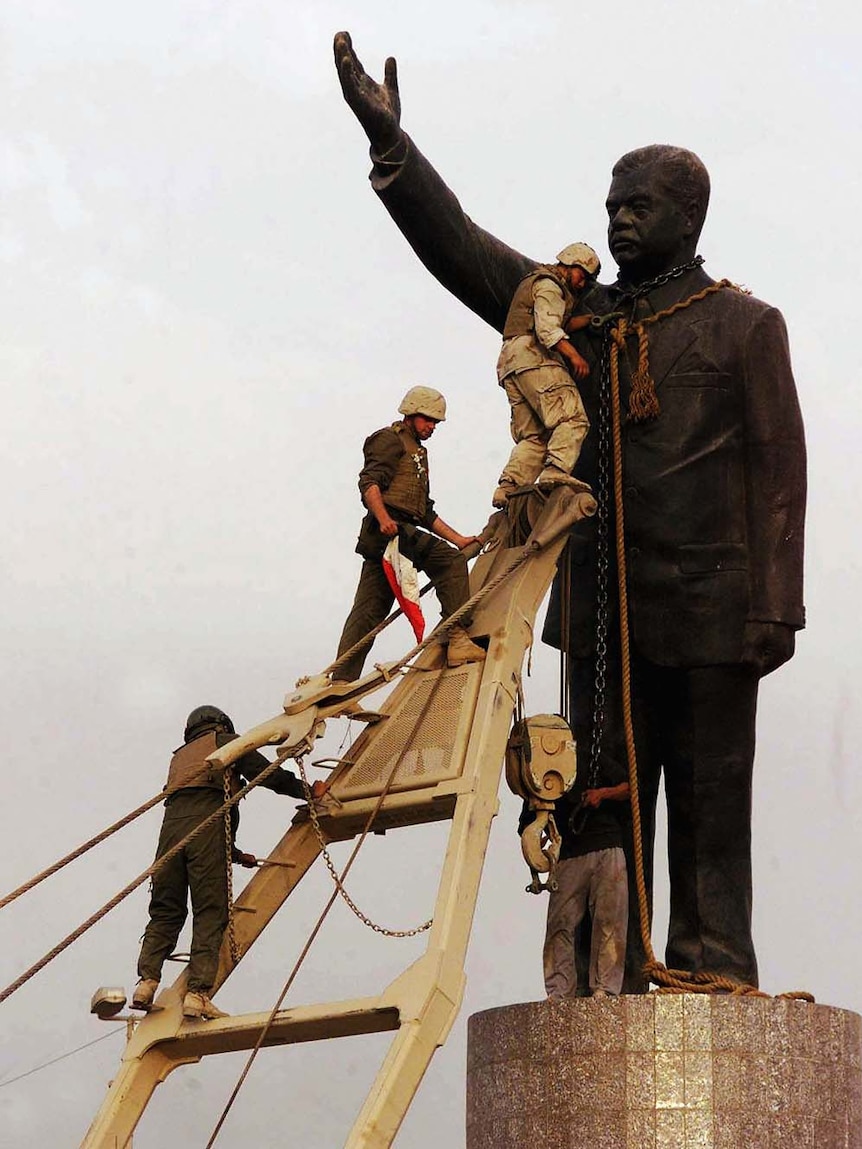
643	401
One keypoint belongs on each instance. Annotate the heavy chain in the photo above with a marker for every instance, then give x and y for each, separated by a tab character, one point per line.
603	491
235	954
660	280
602	566
565	591
327	857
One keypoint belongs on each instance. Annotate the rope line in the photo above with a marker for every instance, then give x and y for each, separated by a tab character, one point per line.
59	1057
643	401
338	887
470	552
168	791
133	885
669	980
94	841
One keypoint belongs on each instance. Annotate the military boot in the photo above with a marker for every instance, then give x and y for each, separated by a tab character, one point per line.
462	648
502	493
196	1003
144	992
556	477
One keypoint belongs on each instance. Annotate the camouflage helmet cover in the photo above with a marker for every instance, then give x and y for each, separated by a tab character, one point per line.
580	255
203	718
424	401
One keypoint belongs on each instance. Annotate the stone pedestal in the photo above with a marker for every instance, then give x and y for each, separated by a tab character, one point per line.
665	1071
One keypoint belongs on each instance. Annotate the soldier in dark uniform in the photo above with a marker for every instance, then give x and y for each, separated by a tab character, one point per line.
714	501
395	488
200	868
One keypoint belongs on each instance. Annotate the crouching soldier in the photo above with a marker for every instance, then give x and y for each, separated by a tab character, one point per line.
538	368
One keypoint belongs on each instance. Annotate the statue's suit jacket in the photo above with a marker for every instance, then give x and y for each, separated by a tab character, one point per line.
714	487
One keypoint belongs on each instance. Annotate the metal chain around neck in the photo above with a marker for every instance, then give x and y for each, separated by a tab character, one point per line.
660	280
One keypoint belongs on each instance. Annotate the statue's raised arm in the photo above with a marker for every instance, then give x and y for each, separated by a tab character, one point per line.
474	265
713	500
376	106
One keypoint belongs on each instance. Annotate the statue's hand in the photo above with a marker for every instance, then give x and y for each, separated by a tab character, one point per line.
767	645
376	106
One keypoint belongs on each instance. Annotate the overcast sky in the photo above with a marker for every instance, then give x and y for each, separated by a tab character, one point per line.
205	311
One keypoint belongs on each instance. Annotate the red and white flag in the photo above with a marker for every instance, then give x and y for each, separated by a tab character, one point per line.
403	577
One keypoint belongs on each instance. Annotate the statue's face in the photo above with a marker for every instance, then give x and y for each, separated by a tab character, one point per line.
648	231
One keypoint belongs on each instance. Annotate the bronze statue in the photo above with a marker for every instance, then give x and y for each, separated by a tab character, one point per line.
713	459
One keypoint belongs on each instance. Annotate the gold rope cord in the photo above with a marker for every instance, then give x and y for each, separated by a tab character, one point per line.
669	980
643	401
133	885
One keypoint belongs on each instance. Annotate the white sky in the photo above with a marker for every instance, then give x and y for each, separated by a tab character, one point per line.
204	312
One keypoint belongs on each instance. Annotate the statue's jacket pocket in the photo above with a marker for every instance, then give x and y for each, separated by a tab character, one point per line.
712	558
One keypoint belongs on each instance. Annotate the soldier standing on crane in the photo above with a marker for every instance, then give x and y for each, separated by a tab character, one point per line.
201	868
394	487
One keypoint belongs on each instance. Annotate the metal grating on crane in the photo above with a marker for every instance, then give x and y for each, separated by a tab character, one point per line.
425	749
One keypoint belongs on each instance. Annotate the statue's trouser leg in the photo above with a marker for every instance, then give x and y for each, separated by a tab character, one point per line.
566	907
168	901
697	726
609	904
707	776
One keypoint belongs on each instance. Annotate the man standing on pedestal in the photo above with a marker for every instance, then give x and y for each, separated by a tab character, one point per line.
590	876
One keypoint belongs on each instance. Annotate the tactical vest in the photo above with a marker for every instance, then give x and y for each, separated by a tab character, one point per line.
520	320
189	766
409	490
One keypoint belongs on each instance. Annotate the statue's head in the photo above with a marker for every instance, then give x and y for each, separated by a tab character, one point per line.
656	207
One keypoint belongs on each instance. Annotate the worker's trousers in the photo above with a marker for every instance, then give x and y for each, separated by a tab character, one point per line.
548	423
199	870
445	565
596	881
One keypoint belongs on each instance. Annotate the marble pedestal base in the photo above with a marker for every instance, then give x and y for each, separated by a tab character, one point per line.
665	1072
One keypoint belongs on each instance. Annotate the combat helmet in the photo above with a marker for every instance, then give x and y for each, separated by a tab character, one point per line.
204	718
580	255
424	401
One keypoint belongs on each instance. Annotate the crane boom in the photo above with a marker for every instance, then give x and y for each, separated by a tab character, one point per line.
438	754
